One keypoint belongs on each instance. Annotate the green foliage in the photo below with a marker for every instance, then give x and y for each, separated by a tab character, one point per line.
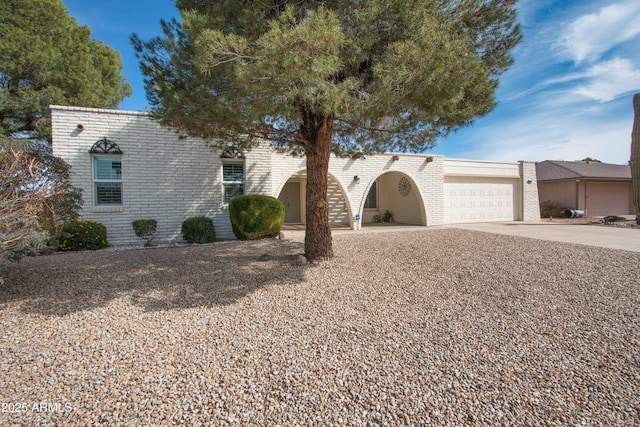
83	234
550	209
198	229
36	198
323	76
254	216
145	229
391	75
387	216
47	58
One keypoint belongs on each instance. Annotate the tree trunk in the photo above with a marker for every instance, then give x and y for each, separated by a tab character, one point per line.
317	131
635	156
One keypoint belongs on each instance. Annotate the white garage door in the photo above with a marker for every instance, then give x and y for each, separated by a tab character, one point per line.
479	200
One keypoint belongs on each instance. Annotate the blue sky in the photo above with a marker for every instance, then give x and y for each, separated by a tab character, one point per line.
568	95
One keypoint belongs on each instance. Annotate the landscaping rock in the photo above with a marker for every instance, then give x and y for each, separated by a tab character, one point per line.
437	327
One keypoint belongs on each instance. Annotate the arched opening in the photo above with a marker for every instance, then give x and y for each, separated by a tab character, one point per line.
293	195
393	197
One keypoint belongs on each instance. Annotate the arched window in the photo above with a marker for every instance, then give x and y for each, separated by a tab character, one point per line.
106	160
233	174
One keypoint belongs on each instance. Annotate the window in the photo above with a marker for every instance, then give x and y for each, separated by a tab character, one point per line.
372	198
232	178
107	180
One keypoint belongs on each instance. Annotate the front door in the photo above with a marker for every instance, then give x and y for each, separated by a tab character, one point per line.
290	196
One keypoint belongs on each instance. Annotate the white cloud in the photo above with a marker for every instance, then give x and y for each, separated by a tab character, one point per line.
603	81
548	135
608	80
590	36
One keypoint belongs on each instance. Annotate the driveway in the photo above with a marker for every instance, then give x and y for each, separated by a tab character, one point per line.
593	235
626	238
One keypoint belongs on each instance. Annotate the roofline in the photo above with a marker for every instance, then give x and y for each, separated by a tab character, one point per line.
53	107
585	178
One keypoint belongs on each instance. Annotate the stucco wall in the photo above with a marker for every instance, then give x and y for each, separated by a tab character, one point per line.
593	197
563	193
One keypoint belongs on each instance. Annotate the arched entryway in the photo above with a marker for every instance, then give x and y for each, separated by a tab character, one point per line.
293	194
395	193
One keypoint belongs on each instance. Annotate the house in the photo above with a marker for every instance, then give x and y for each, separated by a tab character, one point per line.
597	189
131	168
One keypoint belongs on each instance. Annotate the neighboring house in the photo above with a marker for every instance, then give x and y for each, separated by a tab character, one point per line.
132	168
597	189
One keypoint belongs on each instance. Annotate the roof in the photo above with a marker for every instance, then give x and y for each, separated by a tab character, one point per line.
551	170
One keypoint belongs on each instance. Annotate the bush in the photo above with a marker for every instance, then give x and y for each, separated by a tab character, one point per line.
255	216
198	229
145	229
550	209
387	216
36	198
83	234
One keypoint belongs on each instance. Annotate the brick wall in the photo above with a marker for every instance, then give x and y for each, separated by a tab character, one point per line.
168	178
529	192
164	177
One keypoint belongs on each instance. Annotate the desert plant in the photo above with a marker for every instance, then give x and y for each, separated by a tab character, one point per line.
254	216
634	163
550	209
387	216
36	197
145	229
198	229
83	234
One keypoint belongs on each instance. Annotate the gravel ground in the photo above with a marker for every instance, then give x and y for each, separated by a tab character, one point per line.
438	327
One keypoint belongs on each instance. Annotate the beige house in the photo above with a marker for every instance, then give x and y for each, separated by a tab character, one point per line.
597	189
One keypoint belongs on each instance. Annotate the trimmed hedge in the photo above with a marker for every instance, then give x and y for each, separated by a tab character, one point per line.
145	229
254	216
83	234
198	229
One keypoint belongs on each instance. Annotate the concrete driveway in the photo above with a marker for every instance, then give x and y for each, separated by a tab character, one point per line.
594	235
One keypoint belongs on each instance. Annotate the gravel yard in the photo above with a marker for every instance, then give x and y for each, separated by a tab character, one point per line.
437	327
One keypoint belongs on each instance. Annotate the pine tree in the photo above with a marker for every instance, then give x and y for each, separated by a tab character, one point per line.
328	76
47	58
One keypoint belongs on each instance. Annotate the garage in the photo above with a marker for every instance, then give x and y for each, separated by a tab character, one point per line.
595	188
608	198
480	199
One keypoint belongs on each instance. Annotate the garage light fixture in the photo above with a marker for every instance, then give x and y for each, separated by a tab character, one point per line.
356	179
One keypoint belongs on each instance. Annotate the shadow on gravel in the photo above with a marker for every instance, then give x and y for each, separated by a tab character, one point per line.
153	279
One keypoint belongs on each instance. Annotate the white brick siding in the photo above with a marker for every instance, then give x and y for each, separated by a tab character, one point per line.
529	192
168	179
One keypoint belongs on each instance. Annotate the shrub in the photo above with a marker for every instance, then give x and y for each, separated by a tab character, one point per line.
83	234
145	229
198	229
36	198
550	209
387	216
254	216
